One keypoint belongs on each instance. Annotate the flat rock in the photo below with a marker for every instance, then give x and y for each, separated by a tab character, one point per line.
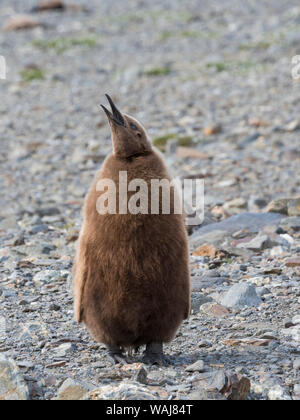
293	262
214	309
215	232
196	367
259	243
46	5
127	391
12	383
239	295
197	300
291	223
19	22
71	390
278	206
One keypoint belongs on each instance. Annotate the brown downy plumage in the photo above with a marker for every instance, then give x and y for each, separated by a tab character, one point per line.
131	271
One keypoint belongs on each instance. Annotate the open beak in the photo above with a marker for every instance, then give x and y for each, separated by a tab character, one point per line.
115	115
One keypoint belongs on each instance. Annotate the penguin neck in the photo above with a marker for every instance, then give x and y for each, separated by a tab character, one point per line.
126	148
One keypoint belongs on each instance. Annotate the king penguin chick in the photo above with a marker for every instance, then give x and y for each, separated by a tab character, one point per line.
131	271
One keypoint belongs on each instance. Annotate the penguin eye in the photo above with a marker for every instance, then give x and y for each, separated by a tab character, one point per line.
132	126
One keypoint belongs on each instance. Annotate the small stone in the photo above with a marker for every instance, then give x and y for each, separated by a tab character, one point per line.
291	223
259	243
296	319
214	309
46	5
197	300
19	22
294	207
206	251
141	375
71	390
12	383
54	307
293	125
240	295
196	367
47	276
288	323
278	393
293	262
296	364
278	206
189	152
212	129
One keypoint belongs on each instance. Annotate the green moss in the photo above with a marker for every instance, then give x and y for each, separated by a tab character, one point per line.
32	74
218	66
161	142
261	45
157	71
185	141
62	44
188	34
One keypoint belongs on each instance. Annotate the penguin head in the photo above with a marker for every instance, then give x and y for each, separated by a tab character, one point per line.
128	135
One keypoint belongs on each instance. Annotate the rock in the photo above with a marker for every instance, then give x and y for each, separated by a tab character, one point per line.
257	342
232	386
278	206
196	367
141	376
12	383
206	251
46	5
297	391
216	232
291	223
293	262
214	309
189	152
71	390
259	243
235	206
293	125
47	276
21	22
64	349
296	319
198	283
240	295
296	364
197	300
278	393
294	207
212	129
127	391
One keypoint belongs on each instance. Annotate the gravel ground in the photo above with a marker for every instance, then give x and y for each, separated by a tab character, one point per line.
208	76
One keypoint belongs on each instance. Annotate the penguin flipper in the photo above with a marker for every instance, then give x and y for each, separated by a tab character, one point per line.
79	279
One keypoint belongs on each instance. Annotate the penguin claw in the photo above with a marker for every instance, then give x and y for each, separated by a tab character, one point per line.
116	359
158	359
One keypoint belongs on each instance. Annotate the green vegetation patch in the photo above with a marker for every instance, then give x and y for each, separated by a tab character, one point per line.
157	71
161	142
32	74
62	44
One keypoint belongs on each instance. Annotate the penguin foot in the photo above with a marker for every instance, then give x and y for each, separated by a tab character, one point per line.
116	356
154	355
